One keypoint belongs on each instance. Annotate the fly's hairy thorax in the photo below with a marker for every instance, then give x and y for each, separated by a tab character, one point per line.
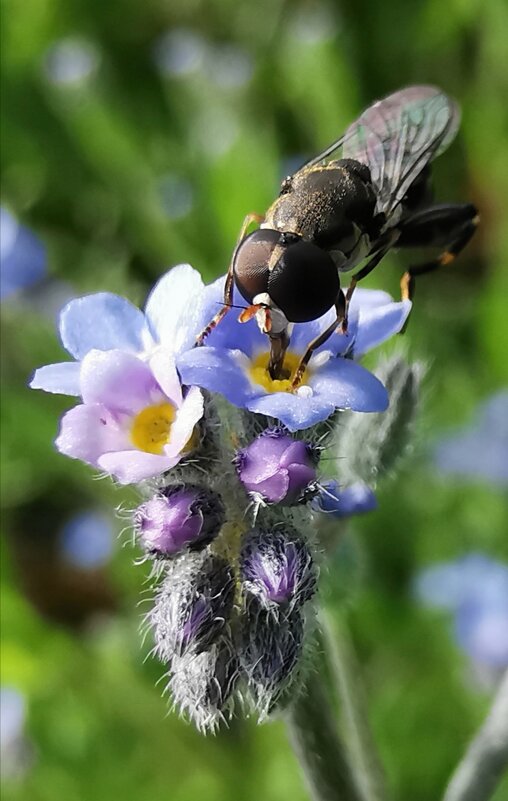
331	205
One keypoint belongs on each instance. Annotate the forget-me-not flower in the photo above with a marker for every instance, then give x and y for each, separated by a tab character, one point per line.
234	359
104	321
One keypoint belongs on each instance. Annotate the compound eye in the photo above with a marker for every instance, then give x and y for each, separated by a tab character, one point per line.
250	266
304	283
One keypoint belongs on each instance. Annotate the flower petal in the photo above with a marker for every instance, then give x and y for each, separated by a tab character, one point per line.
337	344
274	488
173	309
378	324
128	467
350	386
294	411
189	413
118	380
88	431
102	321
218	371
368	299
163	367
61	378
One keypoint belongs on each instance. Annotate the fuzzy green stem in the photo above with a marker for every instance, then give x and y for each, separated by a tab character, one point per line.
368	771
486	759
317	745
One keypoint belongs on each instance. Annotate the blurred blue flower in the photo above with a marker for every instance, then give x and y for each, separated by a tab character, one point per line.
70	61
22	256
179	52
87	540
480	451
234	360
14	748
475	589
173	315
340	501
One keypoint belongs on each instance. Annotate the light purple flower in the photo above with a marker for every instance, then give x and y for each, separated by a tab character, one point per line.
173	315
184	517
475	589
481	450
22	256
339	501
135	421
276	467
227	363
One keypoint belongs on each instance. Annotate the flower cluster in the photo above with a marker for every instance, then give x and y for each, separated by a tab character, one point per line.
230	461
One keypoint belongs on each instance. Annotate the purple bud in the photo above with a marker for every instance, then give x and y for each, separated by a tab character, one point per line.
277	567
270	649
345	501
185	517
193	606
277	467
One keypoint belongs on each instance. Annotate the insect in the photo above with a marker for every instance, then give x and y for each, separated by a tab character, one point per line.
336	213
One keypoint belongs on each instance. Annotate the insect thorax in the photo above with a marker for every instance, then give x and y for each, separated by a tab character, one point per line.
327	204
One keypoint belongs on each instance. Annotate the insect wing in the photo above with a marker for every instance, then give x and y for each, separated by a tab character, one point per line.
396	137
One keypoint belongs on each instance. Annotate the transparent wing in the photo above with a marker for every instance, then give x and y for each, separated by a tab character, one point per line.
396	137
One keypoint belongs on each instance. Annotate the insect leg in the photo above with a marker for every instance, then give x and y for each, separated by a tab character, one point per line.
449	226
229	284
364	272
340	307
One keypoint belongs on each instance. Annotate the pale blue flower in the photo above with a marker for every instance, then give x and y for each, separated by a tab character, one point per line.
105	321
227	362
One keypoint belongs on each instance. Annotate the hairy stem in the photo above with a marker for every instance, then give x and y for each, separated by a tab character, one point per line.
486	759
316	743
369	773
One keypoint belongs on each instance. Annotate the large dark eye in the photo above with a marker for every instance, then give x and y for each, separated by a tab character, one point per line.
304	283
251	262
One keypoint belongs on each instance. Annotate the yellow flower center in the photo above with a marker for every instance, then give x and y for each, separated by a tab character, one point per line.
151	427
260	375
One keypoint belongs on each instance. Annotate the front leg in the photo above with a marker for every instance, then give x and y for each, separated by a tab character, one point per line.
229	284
340	307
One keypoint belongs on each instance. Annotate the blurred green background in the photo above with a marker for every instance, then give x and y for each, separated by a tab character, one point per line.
136	136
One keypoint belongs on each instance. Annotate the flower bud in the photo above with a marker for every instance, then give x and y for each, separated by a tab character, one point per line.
277	467
277	567
202	685
186	516
193	605
269	653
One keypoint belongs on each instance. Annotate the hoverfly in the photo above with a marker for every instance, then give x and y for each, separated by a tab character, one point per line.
366	193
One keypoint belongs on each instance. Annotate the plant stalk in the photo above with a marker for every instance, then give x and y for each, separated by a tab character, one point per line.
315	740
486	759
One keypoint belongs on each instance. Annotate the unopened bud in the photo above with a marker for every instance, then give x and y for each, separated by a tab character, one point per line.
193	605
183	517
202	684
277	467
277	567
271	647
